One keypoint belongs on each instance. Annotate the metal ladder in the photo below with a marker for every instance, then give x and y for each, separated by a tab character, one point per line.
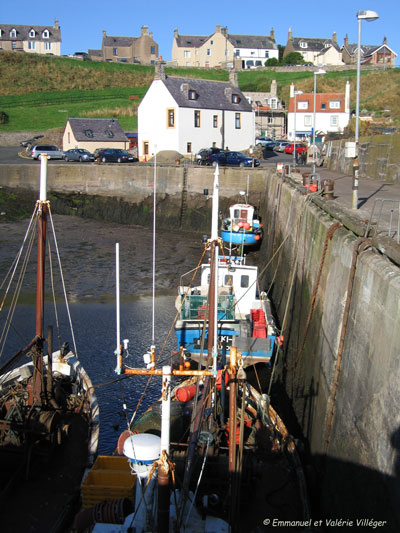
394	206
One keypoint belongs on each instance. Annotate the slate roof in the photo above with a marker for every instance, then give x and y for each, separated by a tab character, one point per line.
118	41
313	45
97	129
191	41
366	50
96	53
23	33
209	94
253	41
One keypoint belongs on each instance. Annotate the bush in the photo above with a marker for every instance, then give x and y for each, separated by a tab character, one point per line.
271	62
4	118
294	58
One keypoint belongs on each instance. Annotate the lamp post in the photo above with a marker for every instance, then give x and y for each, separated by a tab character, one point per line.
369	16
316	73
294	138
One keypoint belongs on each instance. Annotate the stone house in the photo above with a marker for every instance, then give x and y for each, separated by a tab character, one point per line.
185	115
317	51
31	39
370	54
143	49
270	114
92	133
221	49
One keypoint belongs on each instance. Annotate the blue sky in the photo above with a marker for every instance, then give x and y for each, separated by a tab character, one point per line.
82	21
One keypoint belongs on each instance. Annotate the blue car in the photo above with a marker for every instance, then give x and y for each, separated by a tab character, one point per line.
236	159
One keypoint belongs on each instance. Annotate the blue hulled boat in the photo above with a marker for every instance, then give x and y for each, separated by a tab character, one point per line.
243	227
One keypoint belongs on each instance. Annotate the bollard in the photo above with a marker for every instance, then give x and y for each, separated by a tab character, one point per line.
327	189
306	179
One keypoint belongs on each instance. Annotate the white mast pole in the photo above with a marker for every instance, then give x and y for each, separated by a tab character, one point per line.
214	237
118	320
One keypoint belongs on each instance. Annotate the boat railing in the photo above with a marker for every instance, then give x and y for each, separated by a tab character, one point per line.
194	307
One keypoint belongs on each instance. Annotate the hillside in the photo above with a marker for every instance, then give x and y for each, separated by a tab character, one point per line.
38	92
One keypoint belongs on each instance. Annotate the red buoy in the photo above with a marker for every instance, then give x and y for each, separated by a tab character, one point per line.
184	394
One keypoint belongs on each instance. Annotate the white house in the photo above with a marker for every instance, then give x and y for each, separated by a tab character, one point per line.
185	115
332	113
315	50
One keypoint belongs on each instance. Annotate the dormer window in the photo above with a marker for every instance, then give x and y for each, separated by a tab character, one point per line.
32	33
192	94
45	34
235	99
89	133
109	133
303	44
13	33
334	104
326	45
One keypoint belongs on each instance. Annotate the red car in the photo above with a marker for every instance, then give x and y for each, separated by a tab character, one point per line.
299	148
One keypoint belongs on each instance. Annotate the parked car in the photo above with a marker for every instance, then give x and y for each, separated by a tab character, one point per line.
263	140
281	145
299	148
203	155
52	151
78	154
116	155
269	145
237	159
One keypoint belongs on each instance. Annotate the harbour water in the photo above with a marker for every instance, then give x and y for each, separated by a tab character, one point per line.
87	250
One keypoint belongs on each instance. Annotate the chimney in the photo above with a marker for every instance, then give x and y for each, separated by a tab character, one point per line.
272	34
56	25
274	89
346	41
175	33
290	36
159	73
292	90
384	40
145	30
347	98
218	28
334	37
104	34
233	78
151	35
224	31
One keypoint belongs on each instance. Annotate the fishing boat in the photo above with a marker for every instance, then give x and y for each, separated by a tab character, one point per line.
49	419
243	228
212	455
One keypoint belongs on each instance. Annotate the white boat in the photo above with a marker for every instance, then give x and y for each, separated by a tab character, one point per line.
49	416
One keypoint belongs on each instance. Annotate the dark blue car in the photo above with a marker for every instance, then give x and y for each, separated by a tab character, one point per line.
236	159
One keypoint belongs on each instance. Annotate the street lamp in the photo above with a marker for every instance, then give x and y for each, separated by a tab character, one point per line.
369	16
294	139
316	72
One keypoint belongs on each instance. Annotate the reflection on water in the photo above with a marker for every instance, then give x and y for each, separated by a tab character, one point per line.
95	335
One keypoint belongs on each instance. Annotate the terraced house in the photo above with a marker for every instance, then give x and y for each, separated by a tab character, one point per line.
222	49
318	51
32	39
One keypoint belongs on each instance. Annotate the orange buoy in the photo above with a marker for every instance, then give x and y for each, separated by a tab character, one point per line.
184	394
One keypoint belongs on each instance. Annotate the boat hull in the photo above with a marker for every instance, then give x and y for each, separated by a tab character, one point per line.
241	237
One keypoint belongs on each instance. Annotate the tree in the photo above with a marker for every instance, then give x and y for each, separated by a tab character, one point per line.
293	58
271	62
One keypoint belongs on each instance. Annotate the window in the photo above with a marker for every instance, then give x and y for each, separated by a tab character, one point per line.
334	104
31	45
252	53
14	45
211	42
270	120
47	45
89	133
307	120
303	44
250	63
334	120
45	34
302	105
266	53
109	133
192	94
215	121
170	118
244	282
145	148
237	121
208	51
189	148
323	106
186	54
32	33
197	119
228	281
152	50
115	51
13	33
273	103
235	98
237	53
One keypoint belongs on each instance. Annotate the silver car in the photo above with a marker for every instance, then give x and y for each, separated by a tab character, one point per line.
78	154
52	151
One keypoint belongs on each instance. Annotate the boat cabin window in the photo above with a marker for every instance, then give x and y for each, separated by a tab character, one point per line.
244	281
228	281
240	213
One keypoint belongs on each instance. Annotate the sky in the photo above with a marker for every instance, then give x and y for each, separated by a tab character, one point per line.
82	22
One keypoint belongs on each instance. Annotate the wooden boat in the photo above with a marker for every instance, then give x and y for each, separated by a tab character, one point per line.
211	455
49	419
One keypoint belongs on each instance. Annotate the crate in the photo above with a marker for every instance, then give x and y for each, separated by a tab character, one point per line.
108	480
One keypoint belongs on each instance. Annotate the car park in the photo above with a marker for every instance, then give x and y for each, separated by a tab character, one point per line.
203	155
78	154
237	159
53	152
116	155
